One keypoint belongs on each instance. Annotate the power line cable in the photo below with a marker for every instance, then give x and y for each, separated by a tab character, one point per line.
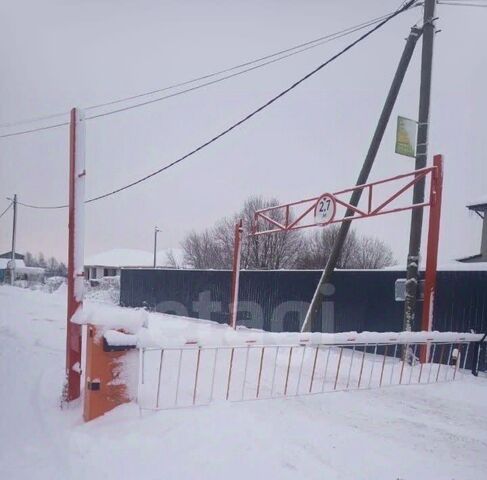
241	121
197	87
464	4
32	130
281	55
6	210
203	77
310	44
33	119
42	207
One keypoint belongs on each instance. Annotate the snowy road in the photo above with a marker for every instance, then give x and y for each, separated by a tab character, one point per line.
411	432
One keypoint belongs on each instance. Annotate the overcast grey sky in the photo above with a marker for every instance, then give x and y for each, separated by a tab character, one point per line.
62	53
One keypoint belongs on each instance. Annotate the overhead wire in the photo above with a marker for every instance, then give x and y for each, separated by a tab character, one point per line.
6	210
281	55
242	120
32	130
197	87
463	4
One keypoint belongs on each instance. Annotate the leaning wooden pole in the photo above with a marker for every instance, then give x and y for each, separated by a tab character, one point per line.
318	296
75	254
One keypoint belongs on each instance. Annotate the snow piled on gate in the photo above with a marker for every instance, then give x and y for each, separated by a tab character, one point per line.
154	330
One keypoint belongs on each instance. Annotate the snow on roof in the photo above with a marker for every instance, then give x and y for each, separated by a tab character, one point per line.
4	263
29	270
124	257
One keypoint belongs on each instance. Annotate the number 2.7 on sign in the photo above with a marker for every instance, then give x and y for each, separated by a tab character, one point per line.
325	209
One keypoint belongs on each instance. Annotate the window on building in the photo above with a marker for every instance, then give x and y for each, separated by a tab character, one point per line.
109	272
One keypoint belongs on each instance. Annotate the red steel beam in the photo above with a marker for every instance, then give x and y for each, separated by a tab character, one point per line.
434	202
398	193
436	190
371	211
359	217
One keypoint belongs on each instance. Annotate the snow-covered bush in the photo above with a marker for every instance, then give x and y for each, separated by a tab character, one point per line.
105	290
53	283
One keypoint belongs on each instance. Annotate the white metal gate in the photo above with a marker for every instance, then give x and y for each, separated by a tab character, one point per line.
199	375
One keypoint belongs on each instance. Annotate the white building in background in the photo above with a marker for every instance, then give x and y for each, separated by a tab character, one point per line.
110	263
22	272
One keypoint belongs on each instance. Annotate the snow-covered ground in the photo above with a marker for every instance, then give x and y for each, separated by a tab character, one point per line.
434	431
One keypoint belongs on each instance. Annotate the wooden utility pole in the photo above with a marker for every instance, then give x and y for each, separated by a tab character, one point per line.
77	175
413	259
318	297
14	235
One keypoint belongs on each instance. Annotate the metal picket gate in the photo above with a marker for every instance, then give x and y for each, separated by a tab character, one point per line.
192	375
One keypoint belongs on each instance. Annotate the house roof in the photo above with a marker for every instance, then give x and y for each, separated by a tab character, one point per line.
478	204
470	257
8	255
124	257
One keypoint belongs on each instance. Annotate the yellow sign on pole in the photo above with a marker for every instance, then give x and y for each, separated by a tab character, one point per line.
406	136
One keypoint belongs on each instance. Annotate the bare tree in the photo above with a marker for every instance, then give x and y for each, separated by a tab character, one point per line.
318	246
213	248
371	253
272	251
29	260
358	251
62	270
52	267
41	261
201	250
171	260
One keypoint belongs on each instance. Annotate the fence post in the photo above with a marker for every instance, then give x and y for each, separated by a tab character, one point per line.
237	252
476	356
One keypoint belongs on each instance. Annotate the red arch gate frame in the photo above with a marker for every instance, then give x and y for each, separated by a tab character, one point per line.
325	210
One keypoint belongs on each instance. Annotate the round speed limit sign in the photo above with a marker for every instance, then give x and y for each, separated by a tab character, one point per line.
325	209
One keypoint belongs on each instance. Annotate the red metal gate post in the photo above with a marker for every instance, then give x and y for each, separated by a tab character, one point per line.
237	251
432	248
75	253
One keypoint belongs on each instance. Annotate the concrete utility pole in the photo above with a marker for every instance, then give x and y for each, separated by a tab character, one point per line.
156	231
318	296
421	160
14	234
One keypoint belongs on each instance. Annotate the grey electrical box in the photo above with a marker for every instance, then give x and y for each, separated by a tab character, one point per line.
400	290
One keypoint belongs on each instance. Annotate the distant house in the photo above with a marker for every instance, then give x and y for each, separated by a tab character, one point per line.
8	256
110	263
22	272
480	208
